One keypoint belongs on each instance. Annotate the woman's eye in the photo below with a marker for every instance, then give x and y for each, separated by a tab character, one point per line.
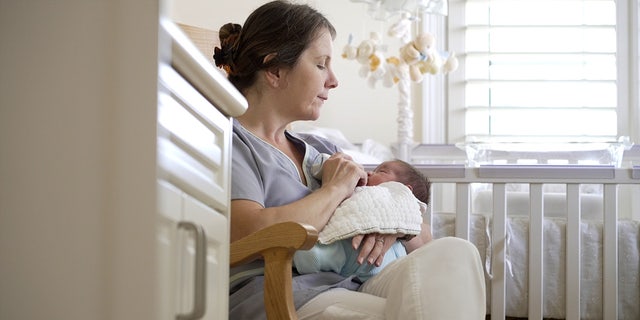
321	66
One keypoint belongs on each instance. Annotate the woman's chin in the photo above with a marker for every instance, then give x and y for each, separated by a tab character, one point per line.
315	113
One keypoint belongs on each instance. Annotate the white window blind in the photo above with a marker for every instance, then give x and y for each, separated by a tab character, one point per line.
533	70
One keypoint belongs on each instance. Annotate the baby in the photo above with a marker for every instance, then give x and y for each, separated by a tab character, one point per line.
392	187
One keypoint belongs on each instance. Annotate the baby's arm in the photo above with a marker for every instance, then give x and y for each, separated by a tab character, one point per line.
419	240
320	257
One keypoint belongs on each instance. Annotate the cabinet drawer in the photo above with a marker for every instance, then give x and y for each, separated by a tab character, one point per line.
177	252
193	141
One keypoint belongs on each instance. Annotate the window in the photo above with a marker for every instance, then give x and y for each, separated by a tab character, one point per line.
533	70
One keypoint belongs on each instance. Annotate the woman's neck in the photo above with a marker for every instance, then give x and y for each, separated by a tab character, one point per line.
266	124
263	119
265	127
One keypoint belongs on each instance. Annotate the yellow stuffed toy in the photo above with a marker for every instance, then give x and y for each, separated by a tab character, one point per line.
368	54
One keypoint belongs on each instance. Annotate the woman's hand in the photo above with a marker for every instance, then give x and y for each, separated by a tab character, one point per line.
340	170
373	247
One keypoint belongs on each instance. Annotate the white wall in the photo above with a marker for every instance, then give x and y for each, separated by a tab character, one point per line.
359	111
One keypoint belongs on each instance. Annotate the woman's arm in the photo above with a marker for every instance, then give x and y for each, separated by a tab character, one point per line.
419	240
340	177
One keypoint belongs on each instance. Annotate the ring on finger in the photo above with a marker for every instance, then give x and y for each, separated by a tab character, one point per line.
380	240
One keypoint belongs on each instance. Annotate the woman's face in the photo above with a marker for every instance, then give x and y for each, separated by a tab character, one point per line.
385	172
306	86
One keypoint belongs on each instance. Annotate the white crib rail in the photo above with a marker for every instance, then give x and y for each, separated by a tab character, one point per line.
536	177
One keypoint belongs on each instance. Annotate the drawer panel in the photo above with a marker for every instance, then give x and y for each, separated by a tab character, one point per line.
193	141
188	131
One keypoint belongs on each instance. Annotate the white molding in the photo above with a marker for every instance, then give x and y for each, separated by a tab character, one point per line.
634	67
432	98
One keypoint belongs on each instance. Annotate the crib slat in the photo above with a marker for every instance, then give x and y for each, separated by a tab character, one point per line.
572	271
498	284
430	208
610	252
463	208
536	263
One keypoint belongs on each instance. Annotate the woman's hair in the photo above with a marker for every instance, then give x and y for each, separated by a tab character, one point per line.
419	182
278	28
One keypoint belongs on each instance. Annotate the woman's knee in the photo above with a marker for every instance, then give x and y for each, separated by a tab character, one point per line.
343	304
452	246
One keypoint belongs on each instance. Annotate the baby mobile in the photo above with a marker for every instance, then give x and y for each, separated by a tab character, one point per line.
417	56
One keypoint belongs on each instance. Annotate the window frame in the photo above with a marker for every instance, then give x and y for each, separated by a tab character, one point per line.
443	100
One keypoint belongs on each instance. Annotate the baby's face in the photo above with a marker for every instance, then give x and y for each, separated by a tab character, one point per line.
386	171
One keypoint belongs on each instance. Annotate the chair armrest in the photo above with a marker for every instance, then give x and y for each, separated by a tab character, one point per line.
276	244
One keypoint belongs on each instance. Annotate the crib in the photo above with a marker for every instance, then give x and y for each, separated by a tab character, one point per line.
558	240
568	264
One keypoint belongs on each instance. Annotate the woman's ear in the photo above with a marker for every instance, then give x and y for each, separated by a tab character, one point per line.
273	73
410	187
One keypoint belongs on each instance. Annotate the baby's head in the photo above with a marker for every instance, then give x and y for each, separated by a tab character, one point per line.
400	171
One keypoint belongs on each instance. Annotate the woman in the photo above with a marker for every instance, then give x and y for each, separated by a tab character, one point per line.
280	60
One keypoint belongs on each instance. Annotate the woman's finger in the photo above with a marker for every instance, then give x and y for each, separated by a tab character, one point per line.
366	246
373	248
356	241
377	253
388	240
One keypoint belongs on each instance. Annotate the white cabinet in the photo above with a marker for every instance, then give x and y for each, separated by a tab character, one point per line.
194	152
194	248
86	231
193	184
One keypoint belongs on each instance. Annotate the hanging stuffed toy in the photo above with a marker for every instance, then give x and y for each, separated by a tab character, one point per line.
419	55
416	57
368	53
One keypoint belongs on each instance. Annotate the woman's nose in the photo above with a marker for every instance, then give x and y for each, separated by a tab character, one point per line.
332	81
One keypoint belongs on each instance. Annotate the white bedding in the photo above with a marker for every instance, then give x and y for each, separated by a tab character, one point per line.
554	264
388	208
368	152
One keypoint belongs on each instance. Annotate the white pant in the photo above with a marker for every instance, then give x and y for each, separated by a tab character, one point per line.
443	279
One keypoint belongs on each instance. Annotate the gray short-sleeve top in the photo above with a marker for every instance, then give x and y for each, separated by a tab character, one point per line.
264	174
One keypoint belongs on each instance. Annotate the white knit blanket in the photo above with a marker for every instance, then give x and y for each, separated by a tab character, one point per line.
388	208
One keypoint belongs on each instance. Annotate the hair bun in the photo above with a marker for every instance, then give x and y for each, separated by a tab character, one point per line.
223	56
229	33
